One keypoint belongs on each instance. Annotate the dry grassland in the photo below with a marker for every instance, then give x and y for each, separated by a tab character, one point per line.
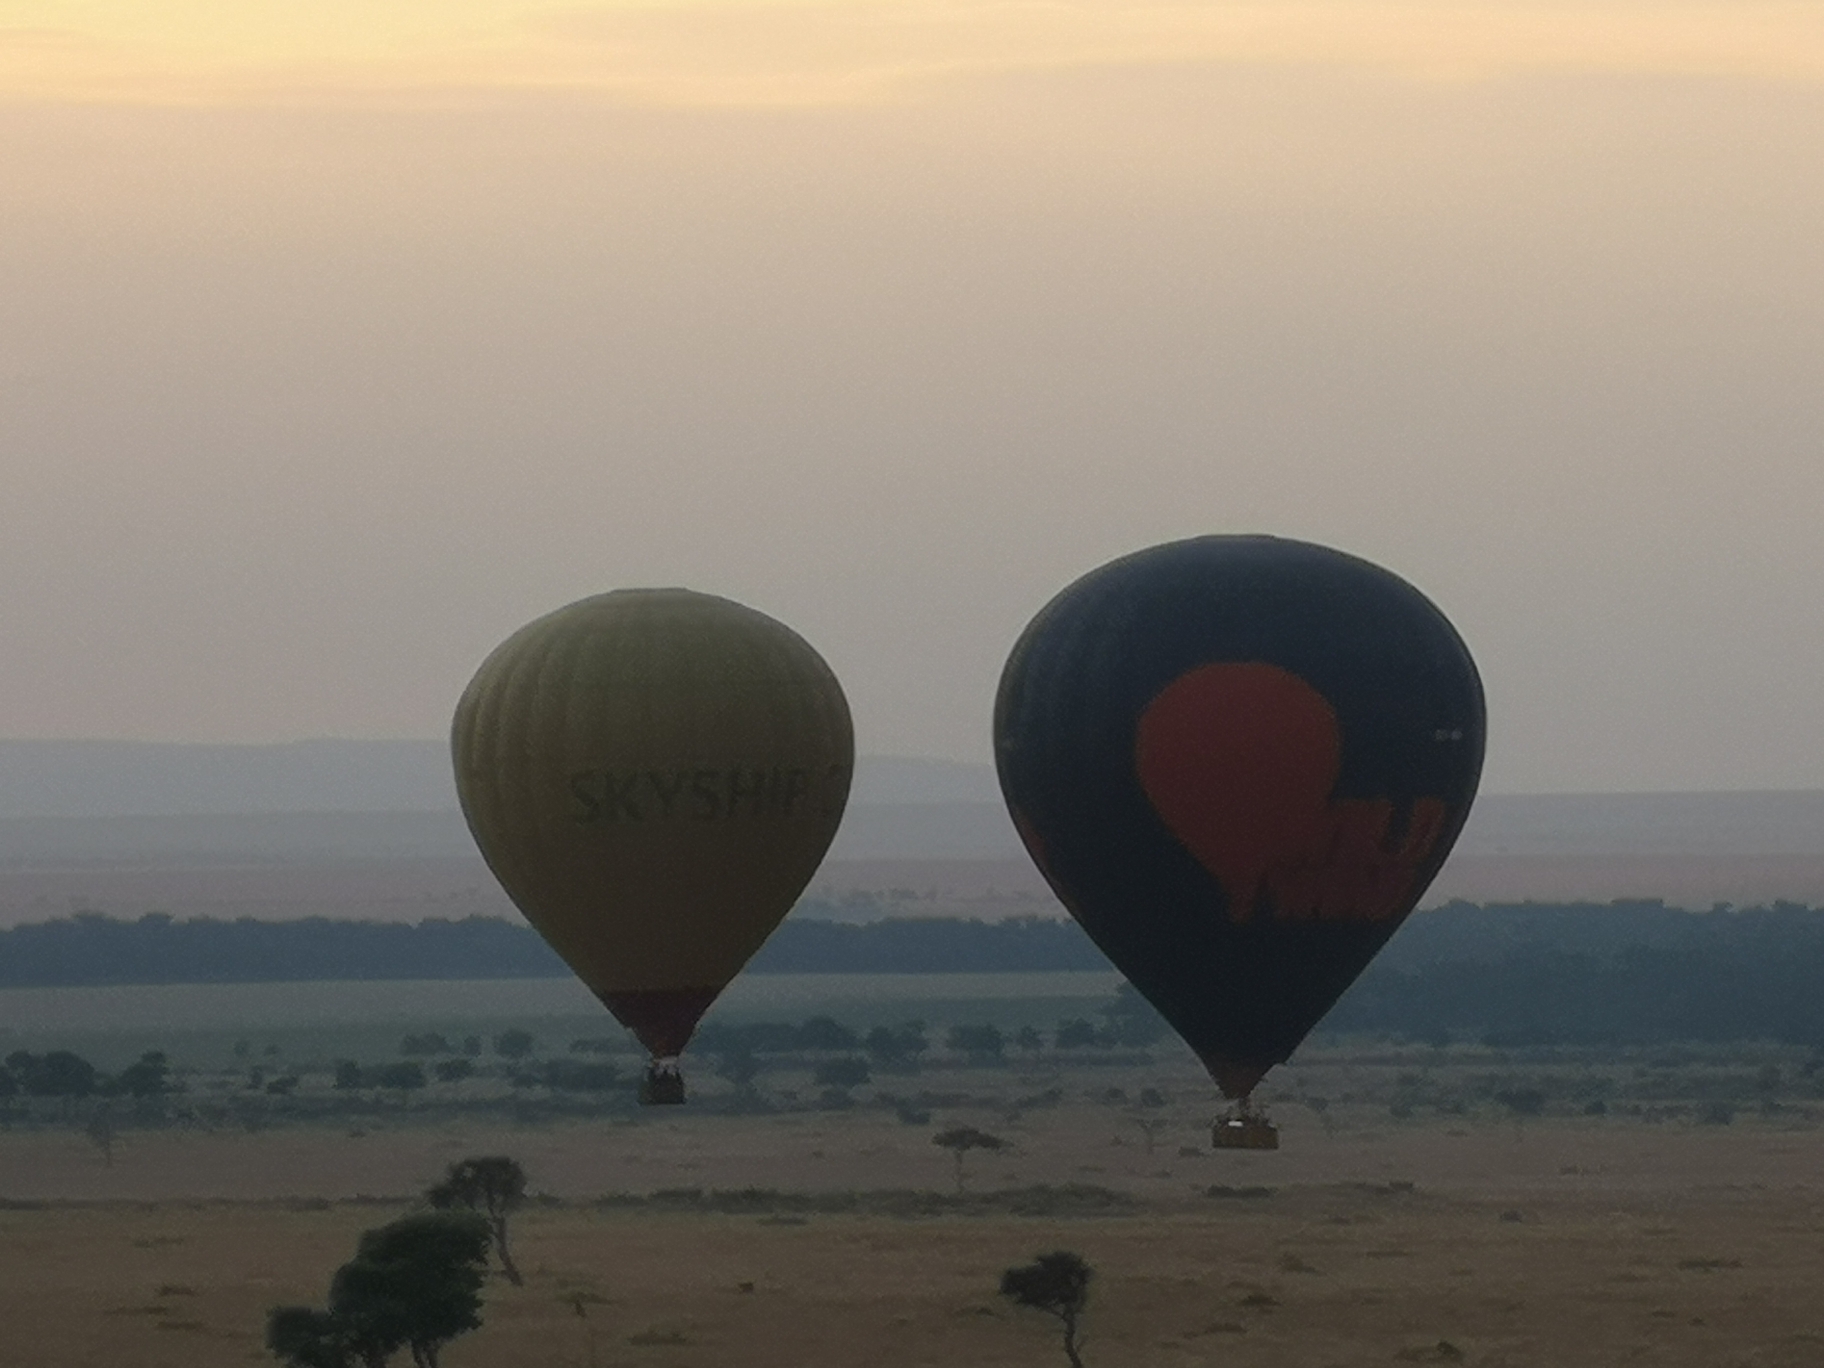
1704	1251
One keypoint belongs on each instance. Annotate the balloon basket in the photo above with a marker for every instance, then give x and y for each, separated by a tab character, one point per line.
663	1085
1244	1129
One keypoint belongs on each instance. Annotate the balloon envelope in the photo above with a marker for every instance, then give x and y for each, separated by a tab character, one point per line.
1239	761
653	775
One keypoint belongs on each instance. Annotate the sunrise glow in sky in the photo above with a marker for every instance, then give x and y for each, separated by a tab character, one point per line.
791	51
339	339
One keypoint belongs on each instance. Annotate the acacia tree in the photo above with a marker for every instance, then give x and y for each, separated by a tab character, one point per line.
492	1186
1151	1128
413	1284
306	1337
959	1140
1058	1285
738	1063
101	1133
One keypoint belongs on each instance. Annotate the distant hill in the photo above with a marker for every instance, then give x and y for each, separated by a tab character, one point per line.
133	778
1574	824
870	831
369	830
158	779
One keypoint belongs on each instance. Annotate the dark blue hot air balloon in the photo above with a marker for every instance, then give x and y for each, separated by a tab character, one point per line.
1239	761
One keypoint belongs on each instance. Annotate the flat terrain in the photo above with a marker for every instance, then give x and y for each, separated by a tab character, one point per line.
1458	1205
1319	1274
822	1152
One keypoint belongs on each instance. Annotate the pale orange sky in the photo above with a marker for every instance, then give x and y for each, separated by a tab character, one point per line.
790	52
339	339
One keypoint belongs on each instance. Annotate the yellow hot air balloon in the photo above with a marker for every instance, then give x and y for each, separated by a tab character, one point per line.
654	775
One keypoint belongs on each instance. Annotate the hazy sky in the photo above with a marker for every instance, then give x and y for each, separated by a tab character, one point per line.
338	339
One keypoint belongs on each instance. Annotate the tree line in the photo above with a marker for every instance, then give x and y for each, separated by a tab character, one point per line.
1636	973
90	949
1503	973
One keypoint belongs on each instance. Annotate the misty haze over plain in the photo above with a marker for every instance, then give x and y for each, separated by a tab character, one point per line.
324	367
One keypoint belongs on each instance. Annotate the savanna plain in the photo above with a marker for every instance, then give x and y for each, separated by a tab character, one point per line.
1430	1204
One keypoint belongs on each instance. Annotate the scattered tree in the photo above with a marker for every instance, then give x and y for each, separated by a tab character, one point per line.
896	1049
101	1133
493	1187
149	1076
1074	1034
406	1077
825	1033
1058	1285
737	1062
414	1284
1132	1020
575	1075
57	1074
306	1337
1151	1128
983	1044
849	1071
959	1140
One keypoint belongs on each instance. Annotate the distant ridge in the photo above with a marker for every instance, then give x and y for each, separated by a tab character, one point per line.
74	779
144	778
172	779
369	829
